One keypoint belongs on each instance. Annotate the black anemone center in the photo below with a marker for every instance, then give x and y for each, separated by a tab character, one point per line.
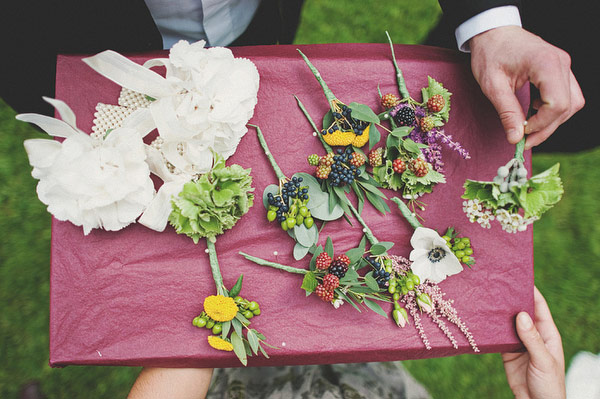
436	254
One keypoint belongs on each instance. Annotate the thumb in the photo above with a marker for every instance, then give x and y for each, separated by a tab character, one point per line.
508	107
538	353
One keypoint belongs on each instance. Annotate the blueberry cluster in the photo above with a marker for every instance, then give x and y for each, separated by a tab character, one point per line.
342	171
290	190
345	122
381	276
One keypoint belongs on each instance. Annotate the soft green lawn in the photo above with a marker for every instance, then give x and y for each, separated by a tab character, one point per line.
567	272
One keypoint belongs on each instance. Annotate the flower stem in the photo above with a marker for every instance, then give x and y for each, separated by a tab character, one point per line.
368	233
520	147
263	144
214	266
399	77
274	265
328	93
312	123
408	215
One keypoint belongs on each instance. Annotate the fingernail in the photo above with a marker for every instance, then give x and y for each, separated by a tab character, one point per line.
525	320
513	135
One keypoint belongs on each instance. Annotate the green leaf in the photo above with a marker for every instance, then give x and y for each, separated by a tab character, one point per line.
350	276
237	326
313	260
238	348
381	247
374	136
309	283
363	113
347	299
377	202
252	340
306	237
329	247
327	120
371	282
354	254
375	307
541	192
235	290
411	146
226	327
264	353
373	189
400	132
300	251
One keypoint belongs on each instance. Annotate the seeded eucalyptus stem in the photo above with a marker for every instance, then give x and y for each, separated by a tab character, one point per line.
274	265
312	123
214	266
520	147
399	77
408	215
263	144
368	233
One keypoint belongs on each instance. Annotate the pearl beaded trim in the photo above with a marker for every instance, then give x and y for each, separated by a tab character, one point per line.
109	116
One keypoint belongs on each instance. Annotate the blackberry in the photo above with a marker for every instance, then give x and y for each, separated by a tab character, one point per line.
338	268
405	116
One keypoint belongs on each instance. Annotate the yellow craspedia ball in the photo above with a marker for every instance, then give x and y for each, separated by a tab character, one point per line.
339	137
219	343
363	139
220	308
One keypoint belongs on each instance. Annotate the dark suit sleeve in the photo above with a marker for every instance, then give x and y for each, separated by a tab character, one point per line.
458	11
35	31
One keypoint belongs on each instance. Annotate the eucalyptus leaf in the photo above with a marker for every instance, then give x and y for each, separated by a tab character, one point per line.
238	348
381	247
306	237
374	306
316	196
322	212
300	251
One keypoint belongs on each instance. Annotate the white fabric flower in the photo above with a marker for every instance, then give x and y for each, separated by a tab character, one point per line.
431	257
203	102
91	183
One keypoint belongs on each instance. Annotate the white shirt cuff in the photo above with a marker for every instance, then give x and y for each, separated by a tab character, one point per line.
489	19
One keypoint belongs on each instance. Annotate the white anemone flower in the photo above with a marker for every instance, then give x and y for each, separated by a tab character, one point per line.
431	257
94	183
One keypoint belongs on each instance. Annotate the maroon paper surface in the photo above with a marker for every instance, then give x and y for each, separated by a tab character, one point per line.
128	297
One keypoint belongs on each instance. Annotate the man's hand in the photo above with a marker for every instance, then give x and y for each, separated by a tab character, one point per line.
504	59
538	373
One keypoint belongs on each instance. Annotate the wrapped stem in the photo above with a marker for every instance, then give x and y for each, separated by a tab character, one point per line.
408	215
263	144
399	76
368	233
520	147
328	93
274	265
214	266
312	123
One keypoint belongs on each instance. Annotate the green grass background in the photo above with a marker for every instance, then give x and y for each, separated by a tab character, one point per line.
566	241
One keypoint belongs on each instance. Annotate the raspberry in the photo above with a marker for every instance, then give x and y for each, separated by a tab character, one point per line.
323	172
327	160
331	282
436	103
389	101
314	159
324	293
418	167
405	116
323	260
376	157
338	268
399	166
426	123
344	258
358	159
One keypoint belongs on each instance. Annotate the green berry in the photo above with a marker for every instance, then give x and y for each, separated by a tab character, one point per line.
396	296
308	222
253	306
217	328
201	322
291	222
210	324
304	211
393	282
248	314
256	312
404	290
469	251
461	245
299	220
271	215
387	262
466	240
415	279
391	289
410	285
447	238
238	299
459	254
466	259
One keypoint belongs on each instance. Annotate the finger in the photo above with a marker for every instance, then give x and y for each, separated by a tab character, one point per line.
507	105
547	328
538	353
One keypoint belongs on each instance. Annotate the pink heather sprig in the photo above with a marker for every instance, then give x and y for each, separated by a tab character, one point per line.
442	326
411	305
400	265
